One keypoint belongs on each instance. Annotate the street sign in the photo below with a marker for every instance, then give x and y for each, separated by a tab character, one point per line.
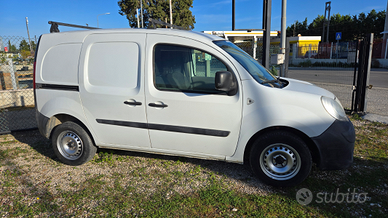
338	35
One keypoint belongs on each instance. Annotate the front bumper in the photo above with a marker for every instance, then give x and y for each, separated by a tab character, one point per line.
336	146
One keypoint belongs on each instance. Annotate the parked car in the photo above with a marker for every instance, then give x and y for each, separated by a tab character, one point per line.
183	93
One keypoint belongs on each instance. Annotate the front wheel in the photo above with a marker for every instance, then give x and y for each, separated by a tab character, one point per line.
280	159
72	144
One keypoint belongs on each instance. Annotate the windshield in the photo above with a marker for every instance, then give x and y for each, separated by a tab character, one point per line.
258	72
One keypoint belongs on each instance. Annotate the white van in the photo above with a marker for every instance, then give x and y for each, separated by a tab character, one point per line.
183	93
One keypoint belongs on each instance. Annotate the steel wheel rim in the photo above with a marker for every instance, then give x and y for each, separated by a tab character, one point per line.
70	145
280	161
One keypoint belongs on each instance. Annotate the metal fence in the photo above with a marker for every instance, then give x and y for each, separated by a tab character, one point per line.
248	47
330	50
380	49
16	79
257	53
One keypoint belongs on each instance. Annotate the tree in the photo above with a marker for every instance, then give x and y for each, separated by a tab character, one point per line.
11	48
33	45
25	54
3	57
341	23
315	27
24	46
352	27
297	28
158	10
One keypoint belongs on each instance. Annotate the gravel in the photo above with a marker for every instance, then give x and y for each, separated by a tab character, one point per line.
39	169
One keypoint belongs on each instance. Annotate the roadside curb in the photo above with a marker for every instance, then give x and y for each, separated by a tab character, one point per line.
376	118
321	68
335	68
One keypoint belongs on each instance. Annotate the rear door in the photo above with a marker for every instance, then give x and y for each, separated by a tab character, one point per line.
186	114
111	88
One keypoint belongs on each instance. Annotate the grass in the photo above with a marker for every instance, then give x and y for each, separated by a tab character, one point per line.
125	184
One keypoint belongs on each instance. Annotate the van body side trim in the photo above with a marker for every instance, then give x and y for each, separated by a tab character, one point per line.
169	128
123	123
56	87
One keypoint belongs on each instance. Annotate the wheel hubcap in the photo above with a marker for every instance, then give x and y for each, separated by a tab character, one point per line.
280	161
70	145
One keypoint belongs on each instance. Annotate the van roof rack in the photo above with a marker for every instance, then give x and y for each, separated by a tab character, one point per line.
54	26
155	22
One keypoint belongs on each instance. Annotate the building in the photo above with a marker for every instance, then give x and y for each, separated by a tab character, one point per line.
249	41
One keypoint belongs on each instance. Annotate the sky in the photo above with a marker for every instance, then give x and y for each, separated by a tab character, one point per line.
210	15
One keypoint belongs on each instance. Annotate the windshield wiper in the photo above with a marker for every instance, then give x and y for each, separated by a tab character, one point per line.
269	81
274	81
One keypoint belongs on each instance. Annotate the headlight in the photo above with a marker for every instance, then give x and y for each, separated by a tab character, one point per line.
334	108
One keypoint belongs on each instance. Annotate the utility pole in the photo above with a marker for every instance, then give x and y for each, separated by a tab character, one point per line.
385	37
141	13
137	15
100	15
170	14
326	22
293	33
233	13
29	39
283	37
267	31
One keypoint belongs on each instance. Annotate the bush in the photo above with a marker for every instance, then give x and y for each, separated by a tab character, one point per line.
274	71
308	63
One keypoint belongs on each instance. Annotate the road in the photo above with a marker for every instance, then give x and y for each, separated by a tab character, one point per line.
340	82
378	77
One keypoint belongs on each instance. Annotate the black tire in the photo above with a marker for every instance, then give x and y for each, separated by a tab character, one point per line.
72	144
280	159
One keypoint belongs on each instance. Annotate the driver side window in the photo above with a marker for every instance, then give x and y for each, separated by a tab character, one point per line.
179	68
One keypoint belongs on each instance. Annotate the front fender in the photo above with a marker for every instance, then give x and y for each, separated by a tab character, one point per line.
280	108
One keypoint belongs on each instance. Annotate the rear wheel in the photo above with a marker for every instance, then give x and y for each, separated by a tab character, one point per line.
72	144
280	159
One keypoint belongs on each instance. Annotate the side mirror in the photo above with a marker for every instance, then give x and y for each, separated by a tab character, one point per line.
225	81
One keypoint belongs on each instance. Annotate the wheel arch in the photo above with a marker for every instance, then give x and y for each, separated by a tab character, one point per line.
58	119
309	142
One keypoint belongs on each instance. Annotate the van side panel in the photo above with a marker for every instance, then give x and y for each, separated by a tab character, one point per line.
111	89
56	77
60	65
110	64
62	51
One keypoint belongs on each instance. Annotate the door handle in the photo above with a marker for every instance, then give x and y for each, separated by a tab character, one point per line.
132	103
157	105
